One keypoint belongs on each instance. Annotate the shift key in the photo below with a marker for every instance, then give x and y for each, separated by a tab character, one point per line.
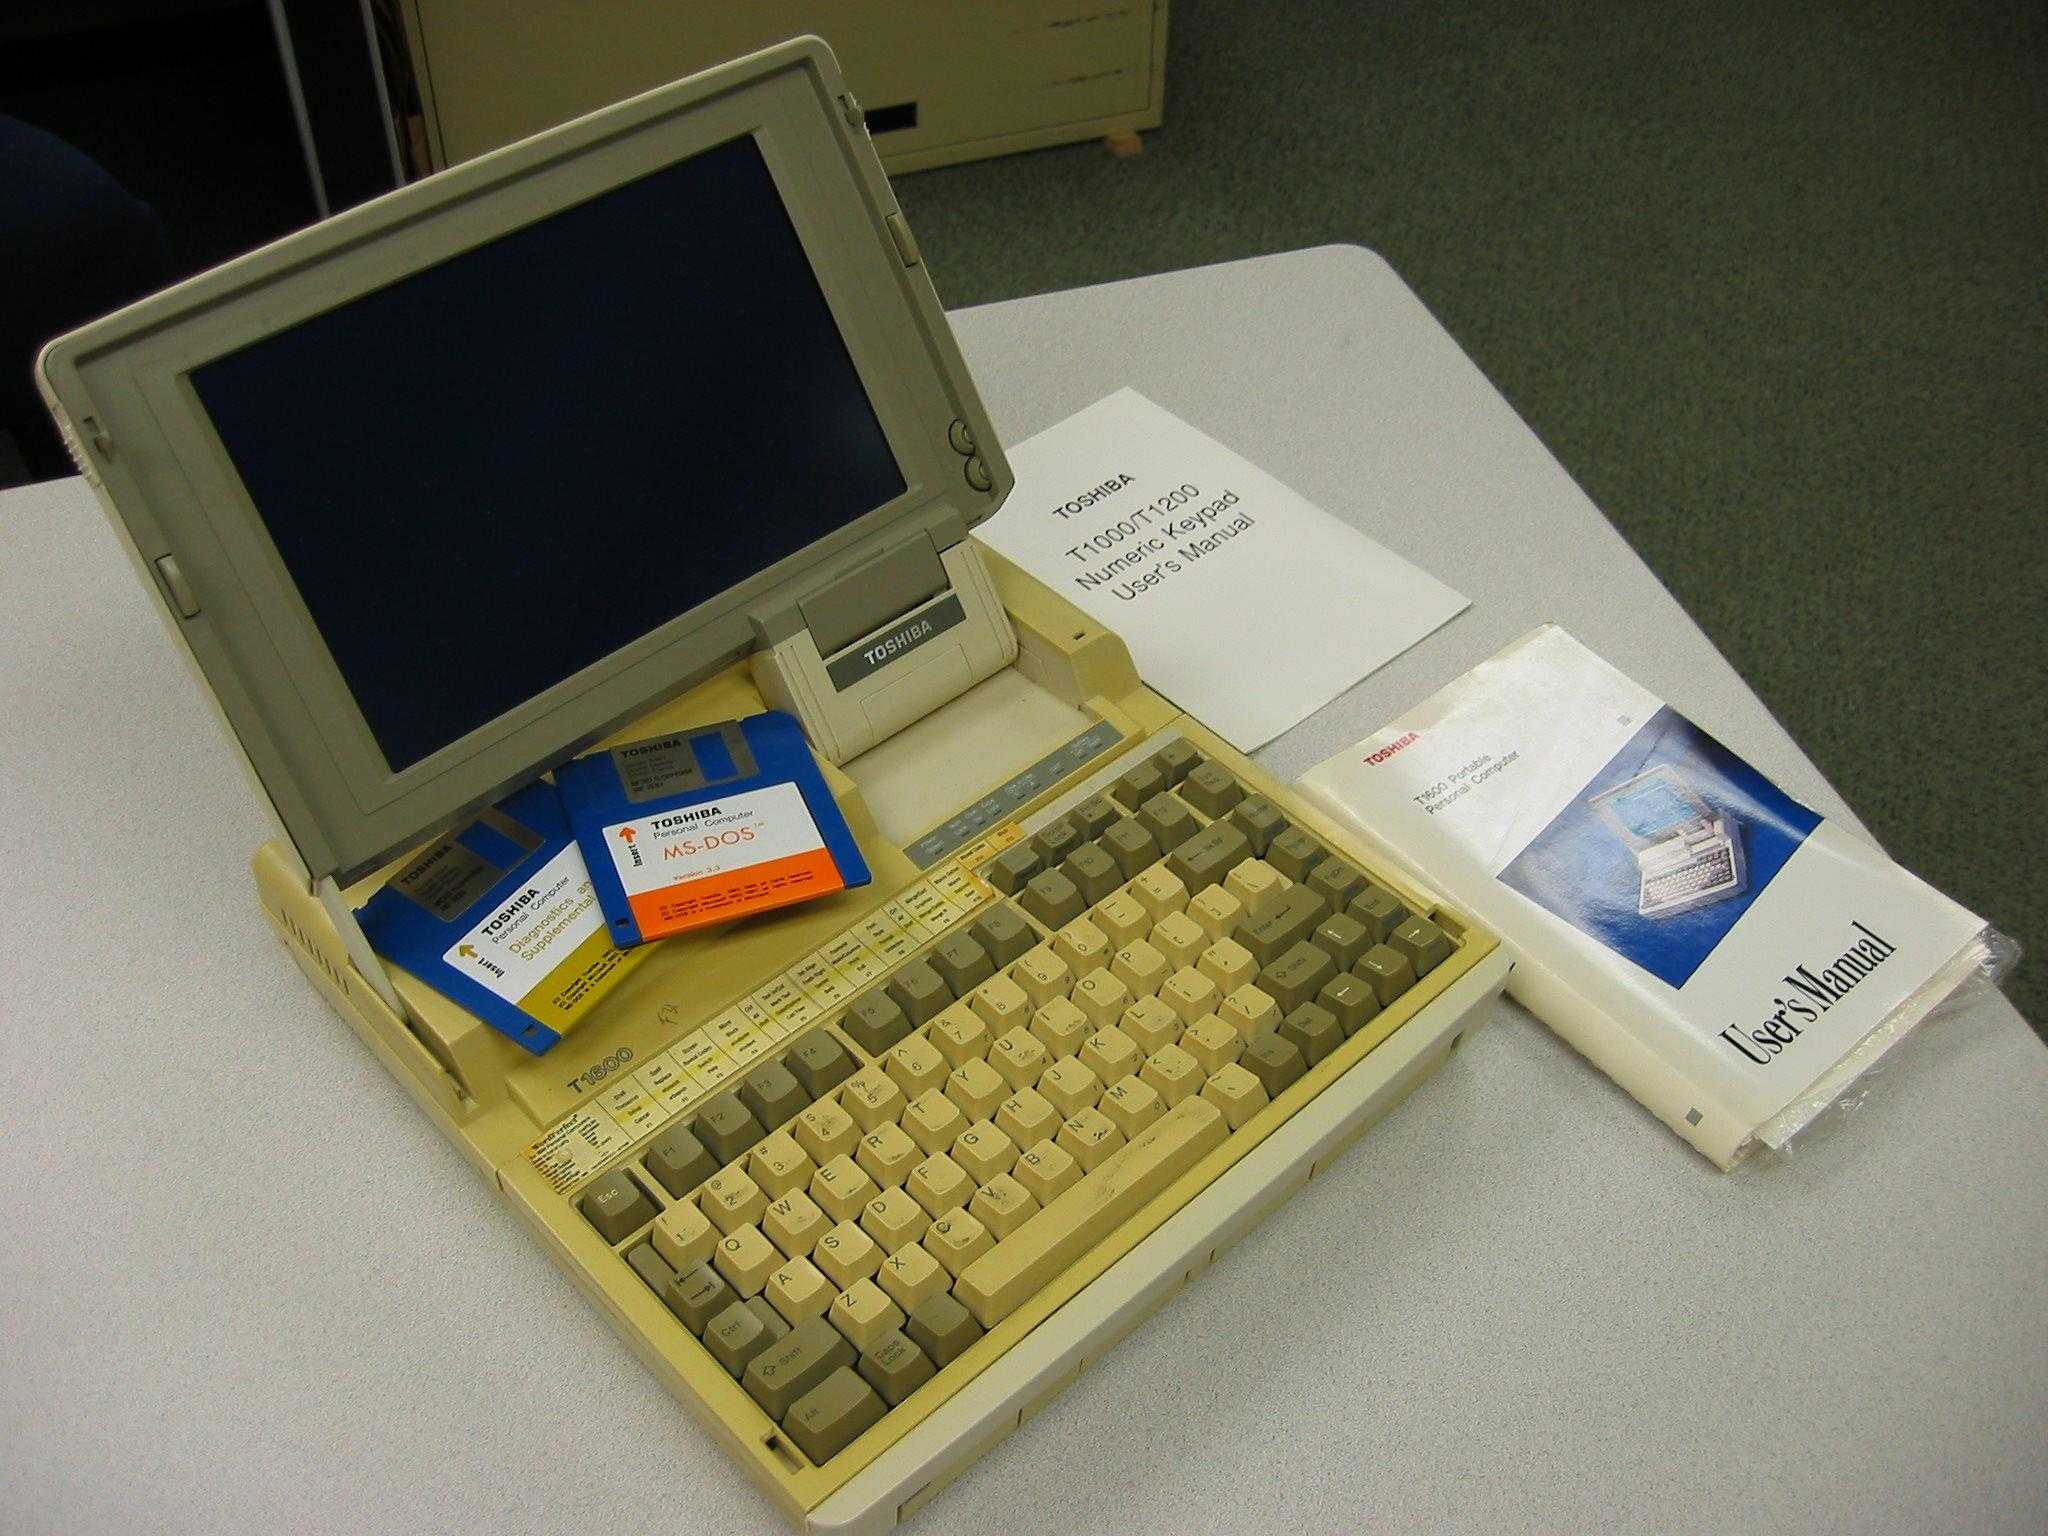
795	1363
1005	1277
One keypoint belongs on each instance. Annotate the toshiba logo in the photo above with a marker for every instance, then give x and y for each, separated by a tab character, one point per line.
1373	758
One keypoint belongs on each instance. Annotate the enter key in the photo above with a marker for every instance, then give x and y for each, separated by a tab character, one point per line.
1001	1280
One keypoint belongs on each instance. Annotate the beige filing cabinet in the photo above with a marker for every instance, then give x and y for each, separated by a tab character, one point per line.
941	80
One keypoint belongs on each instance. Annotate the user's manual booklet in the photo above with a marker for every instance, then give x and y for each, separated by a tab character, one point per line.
1731	958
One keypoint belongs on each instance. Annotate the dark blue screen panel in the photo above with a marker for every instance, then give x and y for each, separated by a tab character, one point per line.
501	469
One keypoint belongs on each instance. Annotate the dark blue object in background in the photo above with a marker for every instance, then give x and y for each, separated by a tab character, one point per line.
73	245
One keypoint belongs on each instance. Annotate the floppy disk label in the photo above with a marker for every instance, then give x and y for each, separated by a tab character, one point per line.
543	947
721	859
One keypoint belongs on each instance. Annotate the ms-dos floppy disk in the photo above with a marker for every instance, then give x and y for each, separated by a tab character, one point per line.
650	423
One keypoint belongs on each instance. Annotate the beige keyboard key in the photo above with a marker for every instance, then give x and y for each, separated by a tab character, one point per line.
887	1154
795	1223
1002	1004
846	1254
841	1188
1082	945
864	1313
1089	1136
1045	1171
1249	1010
1102	997
1151	1023
1213	1043
746	1259
933	1120
1258	885
956	1240
1060	1027
916	1065
1122	918
778	1164
1233	1090
938	1184
1159	891
684	1236
1174	1073
1180	939
1190	994
984	1150
1110	1054
909	1276
798	1290
826	1131
1216	912
1130	1105
1140	967
1042	974
960	1033
1069	1086
999	1282
893	1218
1027	1116
1229	964
977	1088
1002	1205
872	1097
731	1199
1019	1057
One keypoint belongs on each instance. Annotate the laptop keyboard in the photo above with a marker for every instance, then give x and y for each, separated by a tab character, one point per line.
1148	973
1710	870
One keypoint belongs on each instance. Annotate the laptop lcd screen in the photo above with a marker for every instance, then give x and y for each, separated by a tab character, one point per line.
1653	809
501	469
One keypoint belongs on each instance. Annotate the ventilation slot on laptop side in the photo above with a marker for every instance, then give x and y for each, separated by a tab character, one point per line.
314	952
891	119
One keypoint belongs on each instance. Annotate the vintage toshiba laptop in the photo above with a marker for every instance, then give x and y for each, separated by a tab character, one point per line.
651	423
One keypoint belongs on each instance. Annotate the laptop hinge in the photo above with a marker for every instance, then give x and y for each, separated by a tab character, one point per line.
357	943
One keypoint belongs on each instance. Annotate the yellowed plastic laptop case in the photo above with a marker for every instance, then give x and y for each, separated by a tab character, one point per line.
647	424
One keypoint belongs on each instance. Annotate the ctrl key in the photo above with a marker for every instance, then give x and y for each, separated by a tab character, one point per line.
830	1417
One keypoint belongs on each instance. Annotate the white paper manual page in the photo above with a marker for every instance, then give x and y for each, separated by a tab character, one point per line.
1246	605
1723	953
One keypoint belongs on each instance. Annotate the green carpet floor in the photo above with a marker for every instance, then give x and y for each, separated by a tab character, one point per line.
1767	278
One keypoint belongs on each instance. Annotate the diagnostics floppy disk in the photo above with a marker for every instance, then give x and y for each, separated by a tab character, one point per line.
706	826
501	918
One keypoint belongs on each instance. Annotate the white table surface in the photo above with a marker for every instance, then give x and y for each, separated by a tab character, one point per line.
247	1286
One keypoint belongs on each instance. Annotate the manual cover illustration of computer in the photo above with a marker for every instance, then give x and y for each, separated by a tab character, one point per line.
1728	956
584	450
1688	856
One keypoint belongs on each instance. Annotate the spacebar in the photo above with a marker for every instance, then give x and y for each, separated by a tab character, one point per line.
1001	1280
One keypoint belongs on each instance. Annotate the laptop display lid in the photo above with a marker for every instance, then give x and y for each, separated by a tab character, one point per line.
1652	808
442	489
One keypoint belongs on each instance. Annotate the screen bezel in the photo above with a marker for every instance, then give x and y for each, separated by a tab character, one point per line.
173	488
